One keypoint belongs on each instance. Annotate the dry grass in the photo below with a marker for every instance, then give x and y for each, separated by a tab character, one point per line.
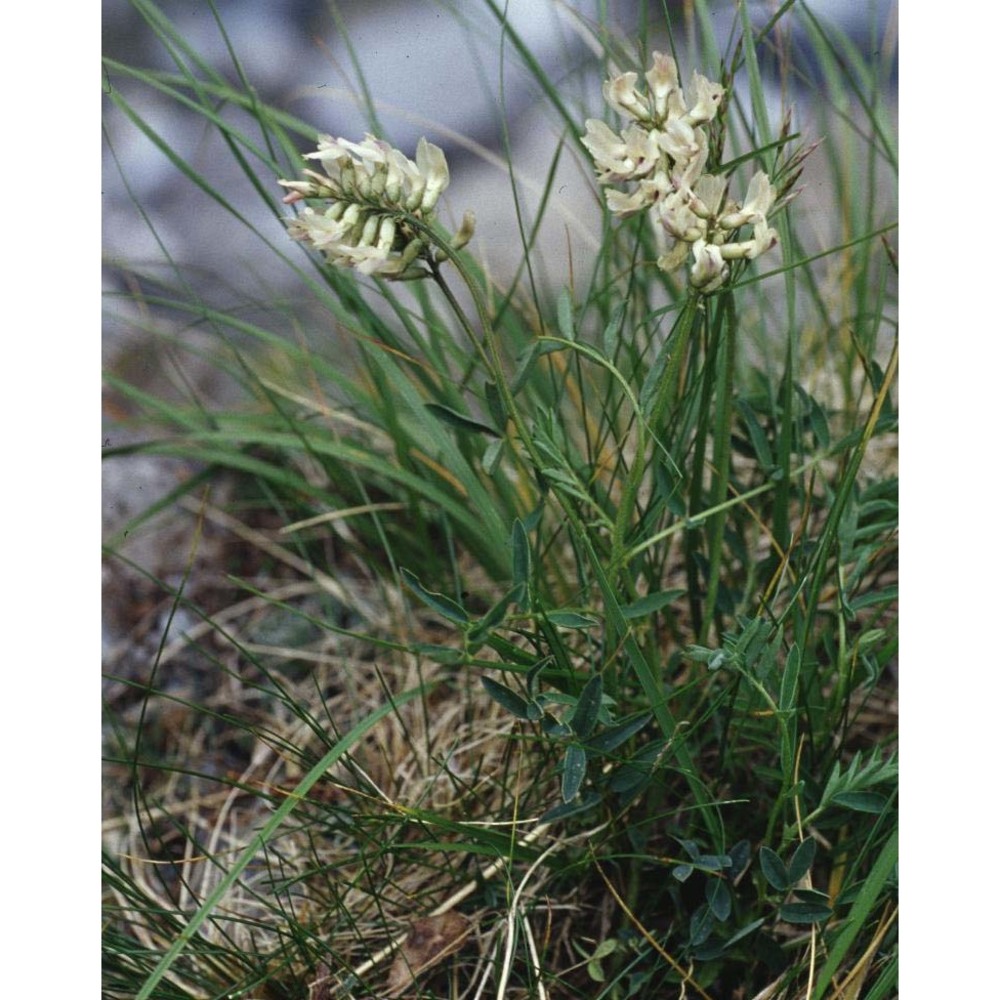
244	702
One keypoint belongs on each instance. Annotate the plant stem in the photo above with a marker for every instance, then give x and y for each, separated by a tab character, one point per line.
721	451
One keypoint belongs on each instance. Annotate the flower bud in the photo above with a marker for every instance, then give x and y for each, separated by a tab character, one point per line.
465	231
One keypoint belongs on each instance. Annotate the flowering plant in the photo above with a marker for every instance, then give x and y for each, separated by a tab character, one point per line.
592	551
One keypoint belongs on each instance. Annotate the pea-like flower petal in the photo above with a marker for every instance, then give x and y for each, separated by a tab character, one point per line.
620	93
709	270
664	85
708	97
760	198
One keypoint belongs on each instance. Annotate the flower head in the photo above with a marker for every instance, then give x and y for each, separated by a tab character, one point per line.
660	157
664	140
375	194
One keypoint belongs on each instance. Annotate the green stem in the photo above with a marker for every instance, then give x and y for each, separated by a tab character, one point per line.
721	454
704	395
654	406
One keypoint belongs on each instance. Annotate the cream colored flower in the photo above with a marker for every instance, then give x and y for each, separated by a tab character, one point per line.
660	159
763	239
322	230
607	149
620	93
703	220
709	270
376	196
624	157
674	257
663	142
465	231
664	100
433	167
683	144
625	204
664	87
674	213
374	169
707	197
708	97
760	197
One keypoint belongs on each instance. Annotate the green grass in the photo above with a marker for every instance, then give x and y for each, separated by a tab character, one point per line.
568	607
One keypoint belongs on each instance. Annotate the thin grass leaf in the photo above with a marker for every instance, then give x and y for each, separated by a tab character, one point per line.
564	315
261	839
455	419
862	906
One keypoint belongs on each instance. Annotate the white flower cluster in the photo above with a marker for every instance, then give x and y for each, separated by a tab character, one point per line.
662	155
373	189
